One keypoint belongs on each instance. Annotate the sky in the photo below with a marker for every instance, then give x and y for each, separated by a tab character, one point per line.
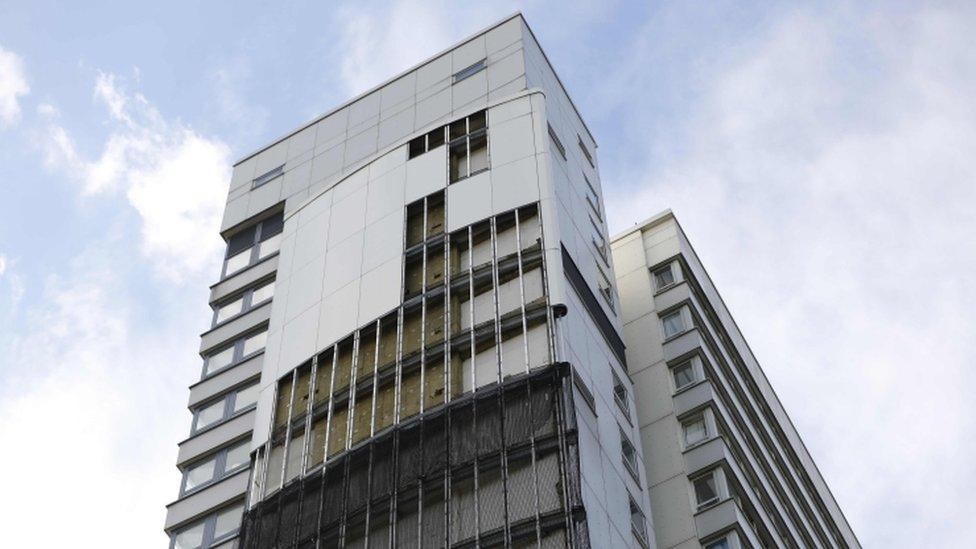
820	155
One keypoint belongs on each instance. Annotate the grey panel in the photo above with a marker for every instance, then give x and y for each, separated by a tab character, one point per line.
225	379
244	278
692	398
234	328
208	440
707	454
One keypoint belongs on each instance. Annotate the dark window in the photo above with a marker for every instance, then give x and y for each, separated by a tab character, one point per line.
557	142
261	180
586	152
469	71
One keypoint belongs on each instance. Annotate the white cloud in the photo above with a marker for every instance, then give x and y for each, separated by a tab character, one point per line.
13	84
383	40
3	264
826	177
175	178
82	389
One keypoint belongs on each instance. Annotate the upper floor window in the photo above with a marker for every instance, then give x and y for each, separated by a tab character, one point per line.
468	147
426	142
235	352
638	523
225	407
585	391
719	544
664	277
217	466
709	488
586	151
695	430
210	531
245	301
254	243
620	395
674	323
606	289
556	142
684	374
469	71
264	178
629	454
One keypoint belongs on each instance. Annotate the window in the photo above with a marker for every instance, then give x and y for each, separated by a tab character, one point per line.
606	290
637	523
216	467
593	199
468	71
427	142
468	148
663	277
674	324
253	243
556	142
706	490
246	301
225	407
228	521
586	152
620	395
261	180
235	352
684	374
630	456
210	531
719	544
190	538
695	430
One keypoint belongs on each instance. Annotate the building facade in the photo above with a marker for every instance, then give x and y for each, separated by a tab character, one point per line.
418	341
416	337
725	467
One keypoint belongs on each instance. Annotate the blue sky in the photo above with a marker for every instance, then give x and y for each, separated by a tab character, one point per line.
821	157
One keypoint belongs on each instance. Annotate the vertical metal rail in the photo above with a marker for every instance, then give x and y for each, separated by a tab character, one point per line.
325	444
503	455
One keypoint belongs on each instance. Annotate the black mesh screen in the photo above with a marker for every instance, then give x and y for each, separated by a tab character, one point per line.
457	475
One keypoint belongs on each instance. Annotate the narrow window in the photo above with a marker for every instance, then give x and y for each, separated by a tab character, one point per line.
237	457
228	310
586	151
253	243
684	375
629	454
262	294
674	324
695	430
664	277
556	142
219	361
620	395
190	538
469	71
719	544
705	490
606	290
261	180
637	523
585	391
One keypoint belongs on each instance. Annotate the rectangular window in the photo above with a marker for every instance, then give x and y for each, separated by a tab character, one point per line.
261	180
695	430
663	277
674	324
719	544
190	538
469	71
706	492
638	523
209	415
247	300
225	408
262	293
237	457
246	397
236	352
427	142
251	244
684	375
228	310
630	456
468	149
556	142
620	395
216	467
586	151
227	522
199	474
606	290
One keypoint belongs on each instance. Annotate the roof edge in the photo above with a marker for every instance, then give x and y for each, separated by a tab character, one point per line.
647	223
382	84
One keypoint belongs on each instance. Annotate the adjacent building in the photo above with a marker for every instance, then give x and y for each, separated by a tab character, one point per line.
725	467
417	337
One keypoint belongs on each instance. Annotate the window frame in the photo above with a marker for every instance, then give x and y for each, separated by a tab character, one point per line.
707	429
247	301
697	373
466	139
469	71
586	151
209	523
220	471
639	534
625	404
238	355
557	142
229	399
267	177
686	323
585	392
719	485
658	286
258	237
632	466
